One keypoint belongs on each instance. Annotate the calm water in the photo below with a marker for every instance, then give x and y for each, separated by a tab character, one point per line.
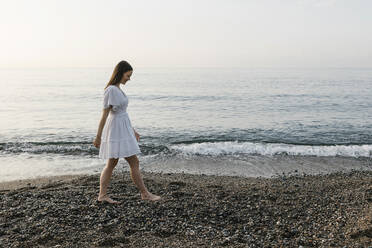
230	121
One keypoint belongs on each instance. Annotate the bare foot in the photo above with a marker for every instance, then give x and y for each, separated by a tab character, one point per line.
106	198
150	197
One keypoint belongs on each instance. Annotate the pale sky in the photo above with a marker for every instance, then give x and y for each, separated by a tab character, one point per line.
186	33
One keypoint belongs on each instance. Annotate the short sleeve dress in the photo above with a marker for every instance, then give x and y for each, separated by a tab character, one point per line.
118	139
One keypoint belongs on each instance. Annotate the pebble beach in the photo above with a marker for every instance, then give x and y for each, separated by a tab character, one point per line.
333	210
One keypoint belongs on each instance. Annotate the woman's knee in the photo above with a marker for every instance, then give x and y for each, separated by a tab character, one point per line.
112	162
133	161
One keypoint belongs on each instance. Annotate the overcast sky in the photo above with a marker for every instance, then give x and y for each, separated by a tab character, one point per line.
186	33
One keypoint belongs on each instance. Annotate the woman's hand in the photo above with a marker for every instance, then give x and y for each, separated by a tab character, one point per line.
137	135
97	142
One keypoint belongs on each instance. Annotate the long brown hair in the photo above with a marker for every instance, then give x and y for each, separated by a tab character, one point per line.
118	73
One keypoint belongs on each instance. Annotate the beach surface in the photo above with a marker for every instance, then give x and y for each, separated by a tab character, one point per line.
333	210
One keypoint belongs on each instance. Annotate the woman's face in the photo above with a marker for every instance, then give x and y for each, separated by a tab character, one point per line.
126	77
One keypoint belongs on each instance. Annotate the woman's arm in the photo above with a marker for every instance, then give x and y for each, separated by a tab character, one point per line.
105	113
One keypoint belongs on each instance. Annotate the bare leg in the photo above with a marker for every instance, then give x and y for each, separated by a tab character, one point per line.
105	180
138	181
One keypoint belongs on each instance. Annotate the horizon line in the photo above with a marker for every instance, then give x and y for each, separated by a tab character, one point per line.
192	67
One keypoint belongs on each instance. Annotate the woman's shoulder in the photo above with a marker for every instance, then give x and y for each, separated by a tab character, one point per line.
110	88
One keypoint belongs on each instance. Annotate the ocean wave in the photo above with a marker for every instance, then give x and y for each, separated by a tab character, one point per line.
72	148
231	148
69	148
197	148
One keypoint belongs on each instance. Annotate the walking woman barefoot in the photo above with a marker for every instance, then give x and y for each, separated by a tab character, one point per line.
116	138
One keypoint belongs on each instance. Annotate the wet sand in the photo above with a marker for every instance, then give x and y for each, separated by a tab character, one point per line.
196	211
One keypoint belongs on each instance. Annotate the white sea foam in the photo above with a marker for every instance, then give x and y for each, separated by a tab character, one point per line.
231	148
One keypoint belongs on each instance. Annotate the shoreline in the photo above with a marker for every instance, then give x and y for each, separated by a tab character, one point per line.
39	180
247	166
196	211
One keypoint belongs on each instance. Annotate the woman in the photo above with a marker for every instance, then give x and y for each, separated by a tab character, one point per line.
119	139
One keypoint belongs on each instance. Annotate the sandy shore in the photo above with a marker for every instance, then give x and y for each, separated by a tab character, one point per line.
196	211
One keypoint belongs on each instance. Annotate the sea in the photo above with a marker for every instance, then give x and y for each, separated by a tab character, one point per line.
250	122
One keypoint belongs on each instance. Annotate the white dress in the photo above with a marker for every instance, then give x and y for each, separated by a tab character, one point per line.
118	139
